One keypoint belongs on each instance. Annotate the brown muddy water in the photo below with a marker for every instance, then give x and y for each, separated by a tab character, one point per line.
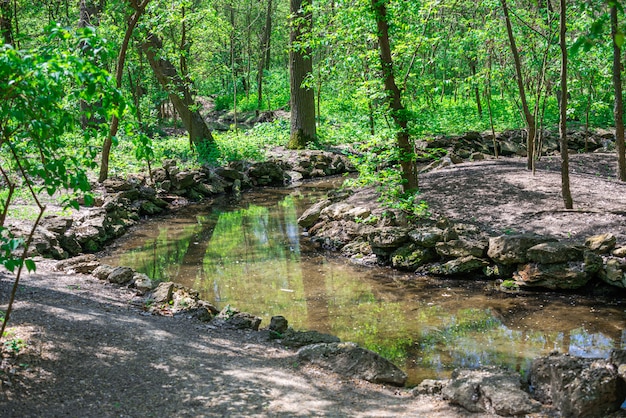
252	255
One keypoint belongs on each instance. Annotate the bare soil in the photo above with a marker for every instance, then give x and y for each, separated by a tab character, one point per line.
91	351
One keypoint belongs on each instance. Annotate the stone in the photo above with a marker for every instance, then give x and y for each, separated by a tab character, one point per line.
461	247
121	275
56	224
102	271
618	360
297	339
492	390
511	249
337	211
279	324
426	237
205	189
70	244
143	283
229	173
352	361
619	252
389	238
570	275
612	273
461	265
84	264
554	252
243	320
430	387
601	244
149	208
163	293
411	256
476	156
183	180
577	387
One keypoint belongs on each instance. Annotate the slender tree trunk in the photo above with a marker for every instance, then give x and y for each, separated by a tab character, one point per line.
178	92
618	108
398	112
479	106
565	189
303	130
528	116
119	72
6	16
265	39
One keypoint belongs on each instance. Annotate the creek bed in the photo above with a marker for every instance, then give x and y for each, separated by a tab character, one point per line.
252	255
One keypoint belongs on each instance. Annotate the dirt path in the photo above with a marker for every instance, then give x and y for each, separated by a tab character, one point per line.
91	351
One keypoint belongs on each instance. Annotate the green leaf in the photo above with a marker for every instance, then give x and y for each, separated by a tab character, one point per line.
30	265
619	39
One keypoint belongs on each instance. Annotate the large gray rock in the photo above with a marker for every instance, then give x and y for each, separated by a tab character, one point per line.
578	387
312	214
461	247
297	339
385	240
491	390
613	272
571	275
554	252
352	361
411	256
511	249
121	275
427	237
459	266
602	243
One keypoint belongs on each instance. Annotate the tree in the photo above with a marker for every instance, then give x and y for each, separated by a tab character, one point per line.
302	102
618	108
119	73
397	109
565	189
6	15
528	116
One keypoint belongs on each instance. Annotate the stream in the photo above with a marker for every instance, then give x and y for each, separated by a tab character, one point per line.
252	255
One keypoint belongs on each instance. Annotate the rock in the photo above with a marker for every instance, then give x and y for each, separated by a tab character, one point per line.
297	339
229	173
205	189
312	214
459	266
183	180
612	273
70	244
570	275
233	318
121	275
426	237
618	360
554	252
491	390
411	256
593	262
56	224
430	387
117	185
461	247
278	325
163	293
84	264
102	271
511	249
476	156
577	387
143	283
385	240
352	361
619	252
601	244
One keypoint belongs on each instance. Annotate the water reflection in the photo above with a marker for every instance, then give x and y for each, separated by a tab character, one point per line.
251	257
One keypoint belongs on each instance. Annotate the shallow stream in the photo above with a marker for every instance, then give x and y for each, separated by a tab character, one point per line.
252	255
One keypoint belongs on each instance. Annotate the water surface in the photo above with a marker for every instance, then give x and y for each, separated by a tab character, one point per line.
253	256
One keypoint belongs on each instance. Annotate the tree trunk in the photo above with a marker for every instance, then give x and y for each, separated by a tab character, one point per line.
618	108
302	101
178	92
265	41
119	72
398	112
528	116
6	16
565	190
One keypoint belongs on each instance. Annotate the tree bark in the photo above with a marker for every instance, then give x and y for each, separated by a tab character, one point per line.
528	116
178	92
263	56
119	72
6	16
565	189
618	108
398	112
303	130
